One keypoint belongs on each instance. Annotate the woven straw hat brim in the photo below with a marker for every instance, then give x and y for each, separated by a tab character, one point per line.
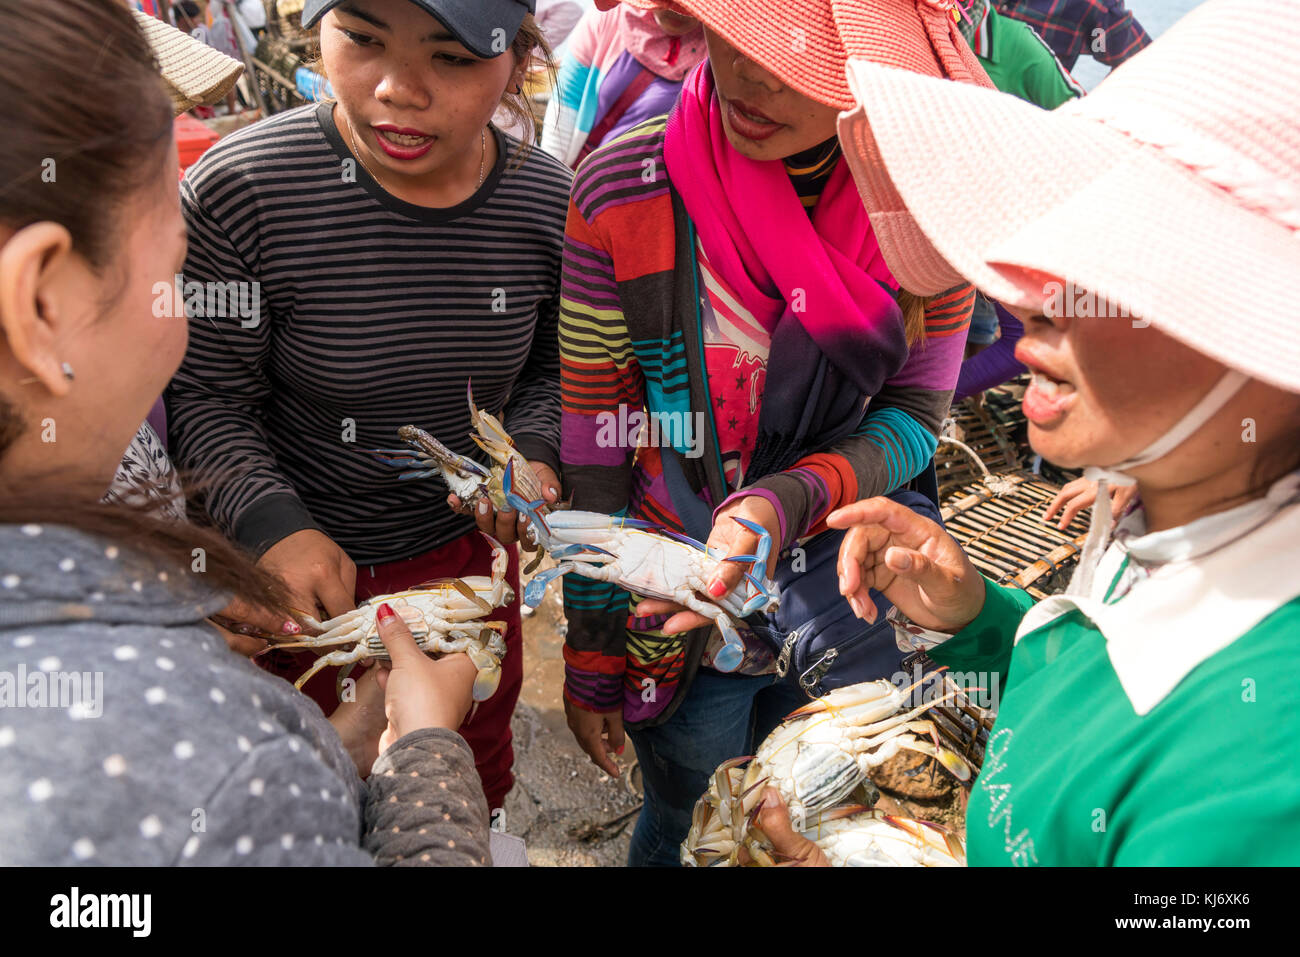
1066	196
807	43
193	72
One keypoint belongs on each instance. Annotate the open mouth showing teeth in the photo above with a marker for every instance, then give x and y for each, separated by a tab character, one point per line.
1049	386
763	121
402	139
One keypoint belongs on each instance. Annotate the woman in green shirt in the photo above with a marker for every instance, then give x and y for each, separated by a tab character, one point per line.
1149	716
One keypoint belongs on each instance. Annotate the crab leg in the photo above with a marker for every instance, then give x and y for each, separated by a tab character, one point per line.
334	658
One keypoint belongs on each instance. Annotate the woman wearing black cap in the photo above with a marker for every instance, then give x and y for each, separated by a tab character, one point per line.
391	245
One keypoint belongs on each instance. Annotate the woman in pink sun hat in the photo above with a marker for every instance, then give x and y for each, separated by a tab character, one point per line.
720	272
1151	247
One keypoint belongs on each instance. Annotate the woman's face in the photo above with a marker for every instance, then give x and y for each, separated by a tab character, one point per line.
415	100
675	24
120	328
1104	389
764	118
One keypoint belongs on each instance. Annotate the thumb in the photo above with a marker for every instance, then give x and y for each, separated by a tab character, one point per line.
908	563
774	820
614	729
397	638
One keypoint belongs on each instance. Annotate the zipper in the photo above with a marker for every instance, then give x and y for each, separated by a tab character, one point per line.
811	678
787	649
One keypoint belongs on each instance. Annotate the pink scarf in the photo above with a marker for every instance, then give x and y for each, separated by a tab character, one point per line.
757	233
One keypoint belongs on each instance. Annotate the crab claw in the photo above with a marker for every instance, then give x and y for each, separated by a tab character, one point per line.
530	509
489	673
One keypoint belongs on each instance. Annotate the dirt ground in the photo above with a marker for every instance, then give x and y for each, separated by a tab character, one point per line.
570	813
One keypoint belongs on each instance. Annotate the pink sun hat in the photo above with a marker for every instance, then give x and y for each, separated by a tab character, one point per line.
1172	191
807	43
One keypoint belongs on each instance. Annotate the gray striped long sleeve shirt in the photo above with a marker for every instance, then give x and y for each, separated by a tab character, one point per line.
357	313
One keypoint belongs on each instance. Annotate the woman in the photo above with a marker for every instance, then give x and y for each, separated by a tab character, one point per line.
720	259
1149	716
193	756
394	246
622	66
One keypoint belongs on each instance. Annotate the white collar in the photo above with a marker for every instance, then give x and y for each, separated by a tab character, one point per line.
1216	579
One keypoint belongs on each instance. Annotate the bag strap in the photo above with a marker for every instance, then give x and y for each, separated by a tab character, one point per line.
615	113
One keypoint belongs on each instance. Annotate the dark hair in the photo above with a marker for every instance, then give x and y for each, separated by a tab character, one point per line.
86	123
86	119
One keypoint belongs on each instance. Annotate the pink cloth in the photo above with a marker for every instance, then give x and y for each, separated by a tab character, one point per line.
759	236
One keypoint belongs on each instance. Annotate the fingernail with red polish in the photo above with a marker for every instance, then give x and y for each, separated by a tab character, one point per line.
384	612
290	628
717	589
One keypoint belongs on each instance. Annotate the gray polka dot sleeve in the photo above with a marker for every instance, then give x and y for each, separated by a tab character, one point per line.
426	806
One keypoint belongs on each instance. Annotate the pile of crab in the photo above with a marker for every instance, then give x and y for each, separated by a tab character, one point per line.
818	760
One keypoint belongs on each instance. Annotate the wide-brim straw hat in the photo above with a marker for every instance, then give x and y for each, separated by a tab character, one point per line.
1172	192
807	43
194	73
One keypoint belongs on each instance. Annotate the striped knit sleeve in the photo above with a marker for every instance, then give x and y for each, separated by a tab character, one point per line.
532	415
599	372
896	438
214	401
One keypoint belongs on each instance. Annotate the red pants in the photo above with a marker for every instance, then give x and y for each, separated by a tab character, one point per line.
488	731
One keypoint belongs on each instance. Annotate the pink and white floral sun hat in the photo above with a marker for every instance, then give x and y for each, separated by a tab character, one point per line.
1172	191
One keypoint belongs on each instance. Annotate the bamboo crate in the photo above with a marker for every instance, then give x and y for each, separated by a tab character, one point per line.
1006	537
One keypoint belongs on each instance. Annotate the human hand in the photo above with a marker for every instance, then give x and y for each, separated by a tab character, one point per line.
506	525
419	692
1080	494
910	560
735	539
790	846
600	735
361	721
320	577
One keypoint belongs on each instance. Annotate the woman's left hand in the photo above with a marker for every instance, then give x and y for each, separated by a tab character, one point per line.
361	722
733	538
506	525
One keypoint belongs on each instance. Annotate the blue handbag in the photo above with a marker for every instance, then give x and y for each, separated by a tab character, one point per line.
819	642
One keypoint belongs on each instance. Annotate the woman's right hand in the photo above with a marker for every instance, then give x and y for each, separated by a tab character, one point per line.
420	692
910	560
319	575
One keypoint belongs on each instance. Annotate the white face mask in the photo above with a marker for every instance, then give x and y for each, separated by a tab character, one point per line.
1099	530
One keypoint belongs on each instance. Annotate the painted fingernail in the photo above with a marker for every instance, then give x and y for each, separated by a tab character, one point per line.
483	508
290	628
554	491
717	589
620	750
384	612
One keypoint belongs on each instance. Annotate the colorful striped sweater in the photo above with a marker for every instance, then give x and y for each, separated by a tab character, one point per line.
630	339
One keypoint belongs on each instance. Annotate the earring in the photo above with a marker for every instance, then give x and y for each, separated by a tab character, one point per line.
67	374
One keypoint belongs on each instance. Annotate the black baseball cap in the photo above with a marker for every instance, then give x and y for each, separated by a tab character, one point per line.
485	27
